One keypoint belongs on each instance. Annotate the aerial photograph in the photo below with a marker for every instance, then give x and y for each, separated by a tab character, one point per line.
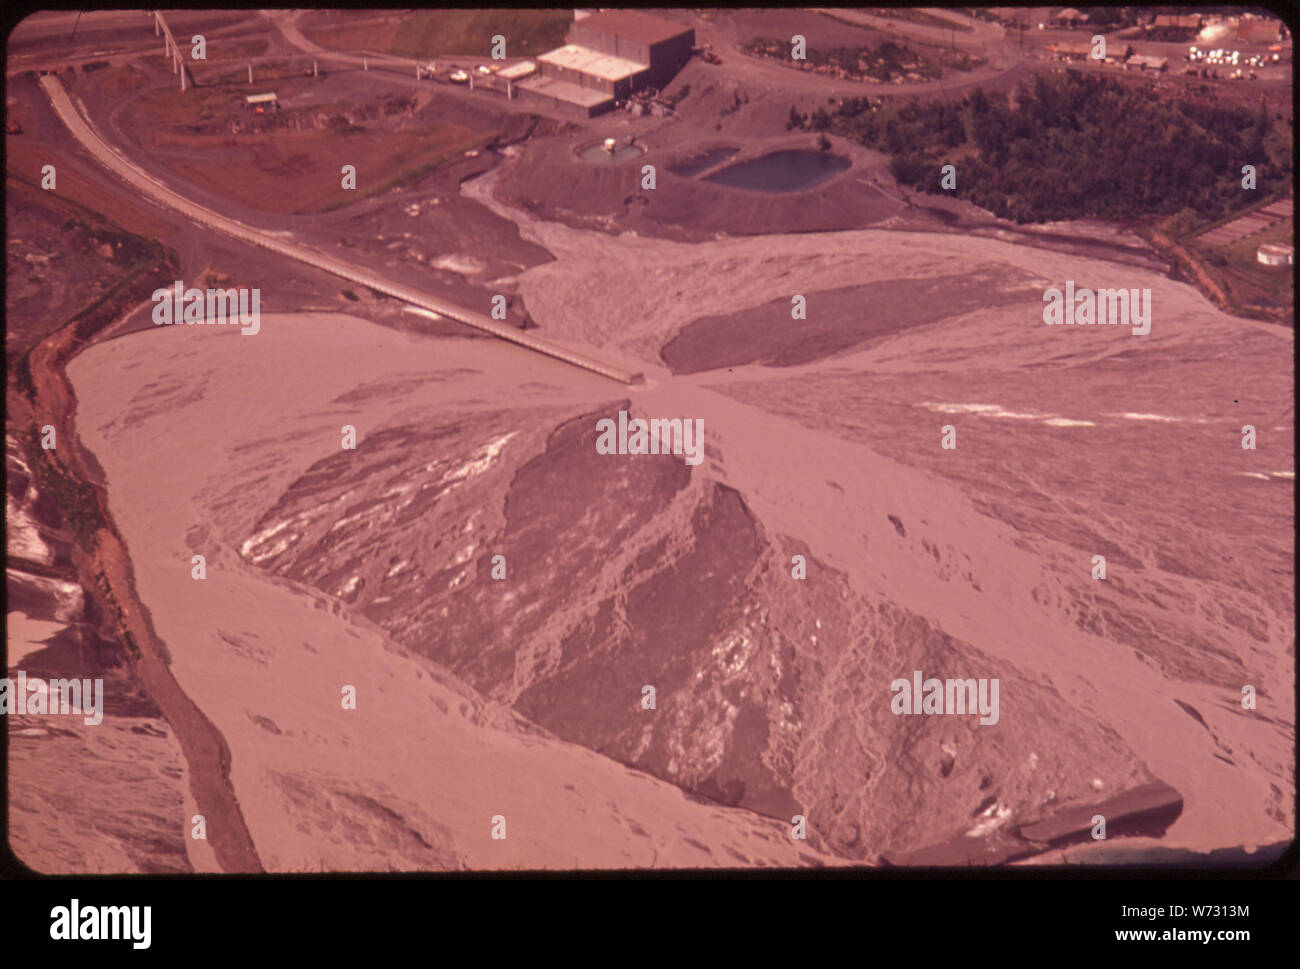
618	440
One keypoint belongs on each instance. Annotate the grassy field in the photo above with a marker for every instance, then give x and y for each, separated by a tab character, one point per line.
224	50
297	172
288	171
1231	275
23	162
433	33
167	107
1202	228
429	33
121	80
1234	267
1245	277
917	17
234	76
370	35
156	62
18	110
408	163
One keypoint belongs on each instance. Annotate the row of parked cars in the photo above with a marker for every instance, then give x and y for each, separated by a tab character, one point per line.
1232	58
458	76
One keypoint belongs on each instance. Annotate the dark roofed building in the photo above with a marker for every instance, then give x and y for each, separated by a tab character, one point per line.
1069	17
1259	32
662	45
1190	21
609	55
631	26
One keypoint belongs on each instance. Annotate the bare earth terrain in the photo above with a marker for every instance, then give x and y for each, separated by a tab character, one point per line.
772	692
912	475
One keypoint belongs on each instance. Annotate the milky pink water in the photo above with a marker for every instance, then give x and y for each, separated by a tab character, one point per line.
521	696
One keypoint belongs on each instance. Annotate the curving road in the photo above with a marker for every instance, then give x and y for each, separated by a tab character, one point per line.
119	164
978	36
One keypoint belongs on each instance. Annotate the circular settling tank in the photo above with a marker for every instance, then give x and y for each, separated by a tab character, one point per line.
781	171
598	154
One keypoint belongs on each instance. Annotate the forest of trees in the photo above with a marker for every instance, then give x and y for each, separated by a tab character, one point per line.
1075	146
885	62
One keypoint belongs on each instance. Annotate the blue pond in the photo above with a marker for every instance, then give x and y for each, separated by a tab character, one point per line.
781	171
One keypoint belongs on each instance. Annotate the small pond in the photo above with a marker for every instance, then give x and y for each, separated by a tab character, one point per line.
781	171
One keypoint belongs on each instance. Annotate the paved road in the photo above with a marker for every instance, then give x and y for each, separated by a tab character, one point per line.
118	163
47	40
982	38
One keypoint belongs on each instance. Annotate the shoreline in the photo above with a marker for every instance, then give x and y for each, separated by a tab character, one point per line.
107	575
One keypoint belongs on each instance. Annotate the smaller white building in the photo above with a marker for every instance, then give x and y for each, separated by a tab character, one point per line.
516	71
261	103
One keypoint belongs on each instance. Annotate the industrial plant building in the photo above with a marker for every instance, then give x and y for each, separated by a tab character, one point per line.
609	56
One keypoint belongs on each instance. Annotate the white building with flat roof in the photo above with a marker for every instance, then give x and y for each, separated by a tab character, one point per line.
516	71
262	103
591	68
